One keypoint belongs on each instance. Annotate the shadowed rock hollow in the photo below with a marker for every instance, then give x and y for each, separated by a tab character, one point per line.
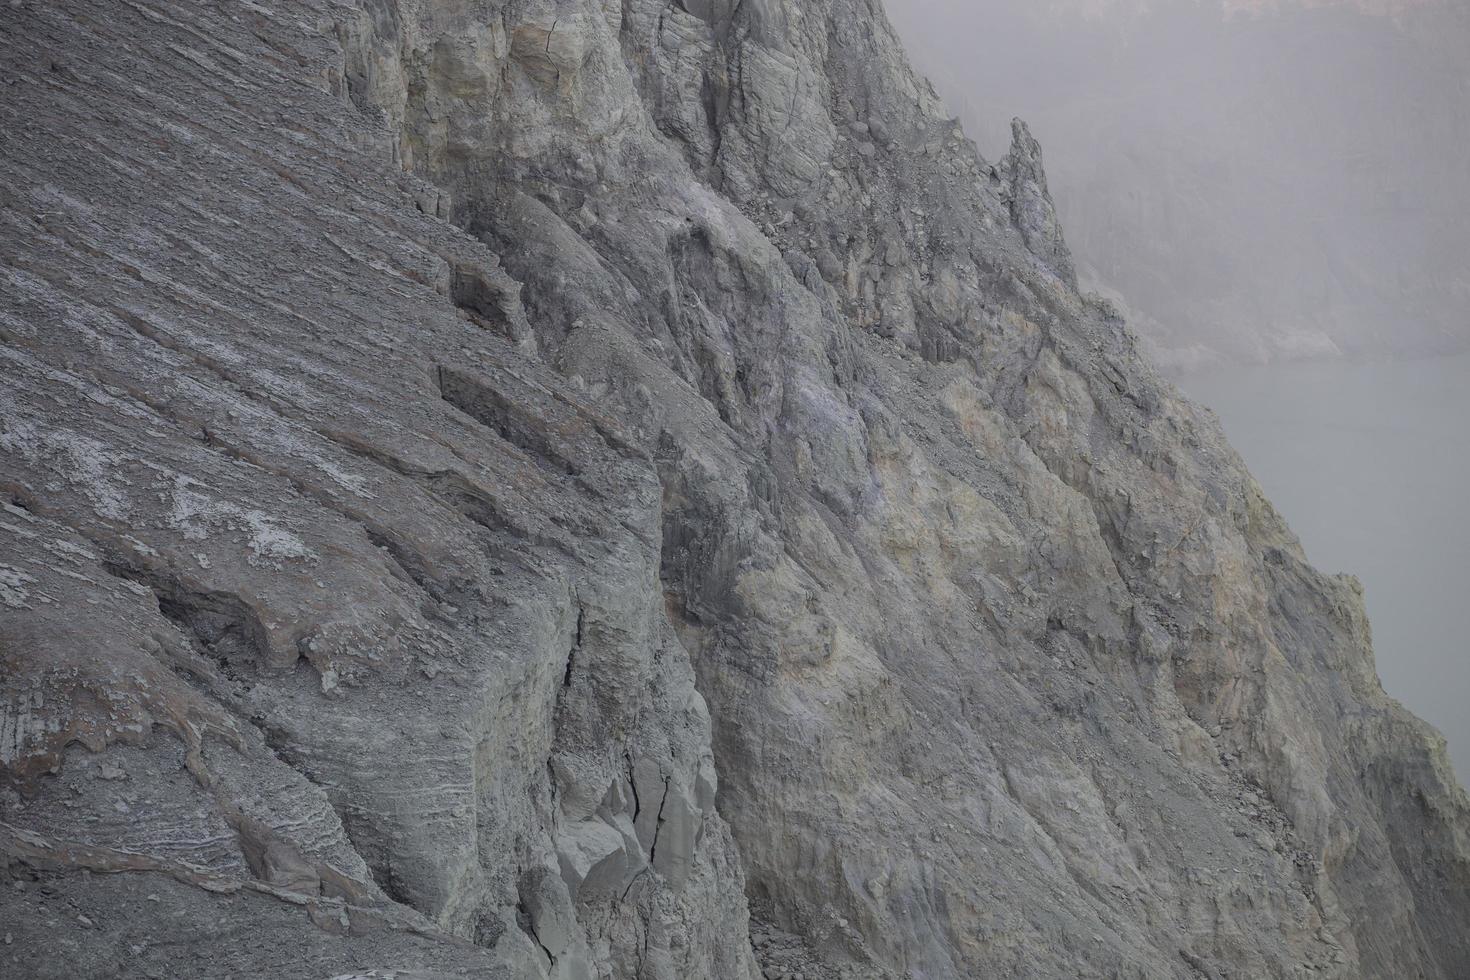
551	488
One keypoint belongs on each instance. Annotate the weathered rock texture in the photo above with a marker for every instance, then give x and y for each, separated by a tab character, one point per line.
525	488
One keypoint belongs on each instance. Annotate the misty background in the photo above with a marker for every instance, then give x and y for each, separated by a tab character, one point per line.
1257	182
1277	192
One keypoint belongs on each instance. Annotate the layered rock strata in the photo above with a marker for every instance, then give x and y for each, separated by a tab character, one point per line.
523	488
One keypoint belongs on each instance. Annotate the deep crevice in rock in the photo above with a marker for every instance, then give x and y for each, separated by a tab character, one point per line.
493	410
222	626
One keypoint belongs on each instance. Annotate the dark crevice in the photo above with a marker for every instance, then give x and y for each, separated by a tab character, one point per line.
710	97
633	883
226	637
386	879
496	412
457	492
404	564
18	497
476	505
223	627
938	343
373	454
277	740
608	429
523	919
633	785
482	300
658	822
566	680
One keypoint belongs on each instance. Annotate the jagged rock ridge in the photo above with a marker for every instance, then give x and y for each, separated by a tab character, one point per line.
518	489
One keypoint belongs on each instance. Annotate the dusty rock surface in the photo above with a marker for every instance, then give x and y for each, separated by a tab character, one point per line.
551	488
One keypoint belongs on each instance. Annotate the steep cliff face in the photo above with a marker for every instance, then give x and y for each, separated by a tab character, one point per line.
560	488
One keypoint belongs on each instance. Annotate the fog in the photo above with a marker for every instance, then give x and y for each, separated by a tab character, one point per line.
1274	183
1256	185
1369	463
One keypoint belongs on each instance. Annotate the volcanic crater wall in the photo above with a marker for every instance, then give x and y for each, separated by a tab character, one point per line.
567	489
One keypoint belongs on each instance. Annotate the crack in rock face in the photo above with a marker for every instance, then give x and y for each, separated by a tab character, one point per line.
569	489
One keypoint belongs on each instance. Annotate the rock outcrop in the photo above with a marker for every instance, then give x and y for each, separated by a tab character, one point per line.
560	488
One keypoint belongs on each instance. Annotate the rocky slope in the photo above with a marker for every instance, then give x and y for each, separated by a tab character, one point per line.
551	488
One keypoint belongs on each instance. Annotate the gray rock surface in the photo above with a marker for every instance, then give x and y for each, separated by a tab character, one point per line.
525	488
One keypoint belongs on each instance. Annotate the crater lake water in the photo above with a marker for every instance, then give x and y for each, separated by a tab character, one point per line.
1370	465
